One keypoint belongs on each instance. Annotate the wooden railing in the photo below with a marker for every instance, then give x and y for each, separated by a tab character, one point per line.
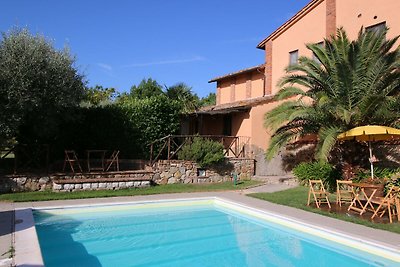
169	146
25	158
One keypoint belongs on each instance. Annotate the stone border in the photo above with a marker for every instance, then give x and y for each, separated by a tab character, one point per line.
359	244
99	184
27	249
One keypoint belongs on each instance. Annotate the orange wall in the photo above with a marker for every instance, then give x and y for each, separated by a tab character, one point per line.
257	87
225	90
240	87
257	84
309	29
356	13
241	124
260	136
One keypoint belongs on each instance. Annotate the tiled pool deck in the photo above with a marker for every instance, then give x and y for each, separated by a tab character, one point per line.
366	234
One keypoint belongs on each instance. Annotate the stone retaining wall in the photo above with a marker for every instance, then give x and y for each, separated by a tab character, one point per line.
97	184
162	172
28	182
180	171
19	183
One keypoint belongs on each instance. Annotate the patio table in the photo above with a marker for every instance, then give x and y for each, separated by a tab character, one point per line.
100	156
360	193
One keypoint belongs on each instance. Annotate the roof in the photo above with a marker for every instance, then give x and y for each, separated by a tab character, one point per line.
237	73
238	106
304	11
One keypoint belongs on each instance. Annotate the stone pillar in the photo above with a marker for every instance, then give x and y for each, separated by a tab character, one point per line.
268	68
330	18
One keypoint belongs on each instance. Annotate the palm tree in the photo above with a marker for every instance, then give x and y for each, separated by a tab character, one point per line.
184	95
353	83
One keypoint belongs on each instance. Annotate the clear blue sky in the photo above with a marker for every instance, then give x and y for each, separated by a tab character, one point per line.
118	43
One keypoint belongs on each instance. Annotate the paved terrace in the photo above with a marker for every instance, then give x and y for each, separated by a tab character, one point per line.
357	231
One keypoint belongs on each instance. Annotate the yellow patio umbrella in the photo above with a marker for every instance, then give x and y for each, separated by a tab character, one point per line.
370	133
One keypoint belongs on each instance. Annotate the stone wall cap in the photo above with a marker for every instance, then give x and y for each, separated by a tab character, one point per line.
100	180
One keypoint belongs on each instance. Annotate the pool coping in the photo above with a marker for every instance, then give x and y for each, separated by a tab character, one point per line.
28	255
26	243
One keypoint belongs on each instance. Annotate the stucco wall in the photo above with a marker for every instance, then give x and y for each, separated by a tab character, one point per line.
241	124
257	84
260	138
353	14
225	91
261	135
242	89
309	29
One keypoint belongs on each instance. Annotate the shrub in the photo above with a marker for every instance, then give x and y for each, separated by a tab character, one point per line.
317	170
381	175
205	152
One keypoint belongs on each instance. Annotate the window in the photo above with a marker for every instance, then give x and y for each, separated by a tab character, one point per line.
377	28
314	56
293	57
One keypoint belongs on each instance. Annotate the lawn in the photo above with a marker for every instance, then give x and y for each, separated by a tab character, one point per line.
160	189
297	198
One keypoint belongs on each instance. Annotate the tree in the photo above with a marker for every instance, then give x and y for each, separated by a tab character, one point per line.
204	151
353	83
183	94
98	96
153	117
36	80
209	100
146	88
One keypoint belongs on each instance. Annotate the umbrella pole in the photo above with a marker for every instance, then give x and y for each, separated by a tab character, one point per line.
370	159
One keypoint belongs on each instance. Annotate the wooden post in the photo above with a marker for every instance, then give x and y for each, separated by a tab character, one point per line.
169	147
223	145
151	153
236	147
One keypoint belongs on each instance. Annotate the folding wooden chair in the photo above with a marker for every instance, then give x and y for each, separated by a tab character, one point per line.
113	160
389	203
71	159
318	191
344	194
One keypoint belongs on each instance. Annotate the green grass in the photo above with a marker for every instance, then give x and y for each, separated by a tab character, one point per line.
297	198
160	189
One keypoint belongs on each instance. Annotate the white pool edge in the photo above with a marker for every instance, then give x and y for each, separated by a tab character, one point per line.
347	239
28	253
27	248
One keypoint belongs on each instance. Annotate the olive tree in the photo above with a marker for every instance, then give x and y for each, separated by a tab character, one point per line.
36	81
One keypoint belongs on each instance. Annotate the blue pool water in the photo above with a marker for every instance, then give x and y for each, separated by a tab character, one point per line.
182	236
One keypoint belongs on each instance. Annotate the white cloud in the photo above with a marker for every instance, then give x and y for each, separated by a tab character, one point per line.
105	66
167	62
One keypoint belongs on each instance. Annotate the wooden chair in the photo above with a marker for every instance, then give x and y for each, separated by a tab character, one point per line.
344	194
71	159
113	160
320	196
389	203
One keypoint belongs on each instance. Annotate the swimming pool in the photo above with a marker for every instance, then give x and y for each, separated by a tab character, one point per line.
202	232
